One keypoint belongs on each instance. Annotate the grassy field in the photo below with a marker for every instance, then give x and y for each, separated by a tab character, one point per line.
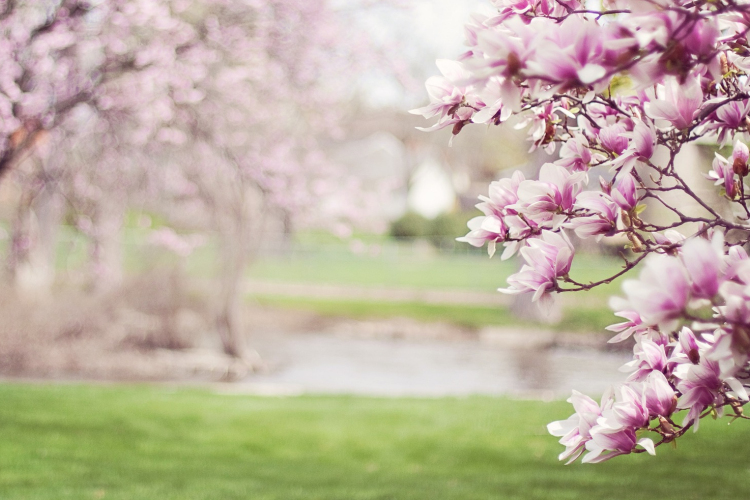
402	267
97	442
398	265
381	262
330	261
591	318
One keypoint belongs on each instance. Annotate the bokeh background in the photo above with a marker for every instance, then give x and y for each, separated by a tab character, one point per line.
230	269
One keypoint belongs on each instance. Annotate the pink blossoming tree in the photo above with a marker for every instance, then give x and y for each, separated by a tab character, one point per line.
623	90
220	107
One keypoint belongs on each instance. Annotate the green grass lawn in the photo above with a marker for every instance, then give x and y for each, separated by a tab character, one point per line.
94	442
386	263
592	318
401	267
330	261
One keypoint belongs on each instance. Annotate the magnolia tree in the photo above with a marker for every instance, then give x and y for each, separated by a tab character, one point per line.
623	90
222	106
251	145
85	85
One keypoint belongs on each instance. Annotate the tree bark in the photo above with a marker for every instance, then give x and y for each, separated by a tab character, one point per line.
228	318
31	259
106	247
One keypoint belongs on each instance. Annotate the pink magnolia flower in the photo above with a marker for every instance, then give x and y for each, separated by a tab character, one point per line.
504	50
648	356
728	119
446	96
501	96
504	192
703	261
612	138
606	444
624	192
602	215
542	129
644	139
628	412
701	38
624	330
700	386
659	395
615	430
688	348
484	229
680	103
723	173
670	237
640	148
736	308
662	290
575	431
729	352
555	191
575	154
514	6
571	53
547	258
491	227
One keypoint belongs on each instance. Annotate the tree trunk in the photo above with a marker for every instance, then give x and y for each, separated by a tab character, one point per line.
106	248
228	319
31	260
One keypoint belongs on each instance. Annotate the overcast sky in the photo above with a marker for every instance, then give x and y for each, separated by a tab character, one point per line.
422	31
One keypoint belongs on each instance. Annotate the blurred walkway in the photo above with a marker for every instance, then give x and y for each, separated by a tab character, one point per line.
383	294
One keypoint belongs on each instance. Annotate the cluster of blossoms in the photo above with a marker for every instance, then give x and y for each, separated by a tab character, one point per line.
618	93
701	368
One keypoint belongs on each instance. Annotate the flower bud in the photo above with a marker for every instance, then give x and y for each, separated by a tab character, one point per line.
667	428
739	159
636	241
625	218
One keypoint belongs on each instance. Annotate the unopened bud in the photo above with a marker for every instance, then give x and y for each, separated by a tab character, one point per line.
625	219
606	186
667	429
740	156
636	241
724	63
